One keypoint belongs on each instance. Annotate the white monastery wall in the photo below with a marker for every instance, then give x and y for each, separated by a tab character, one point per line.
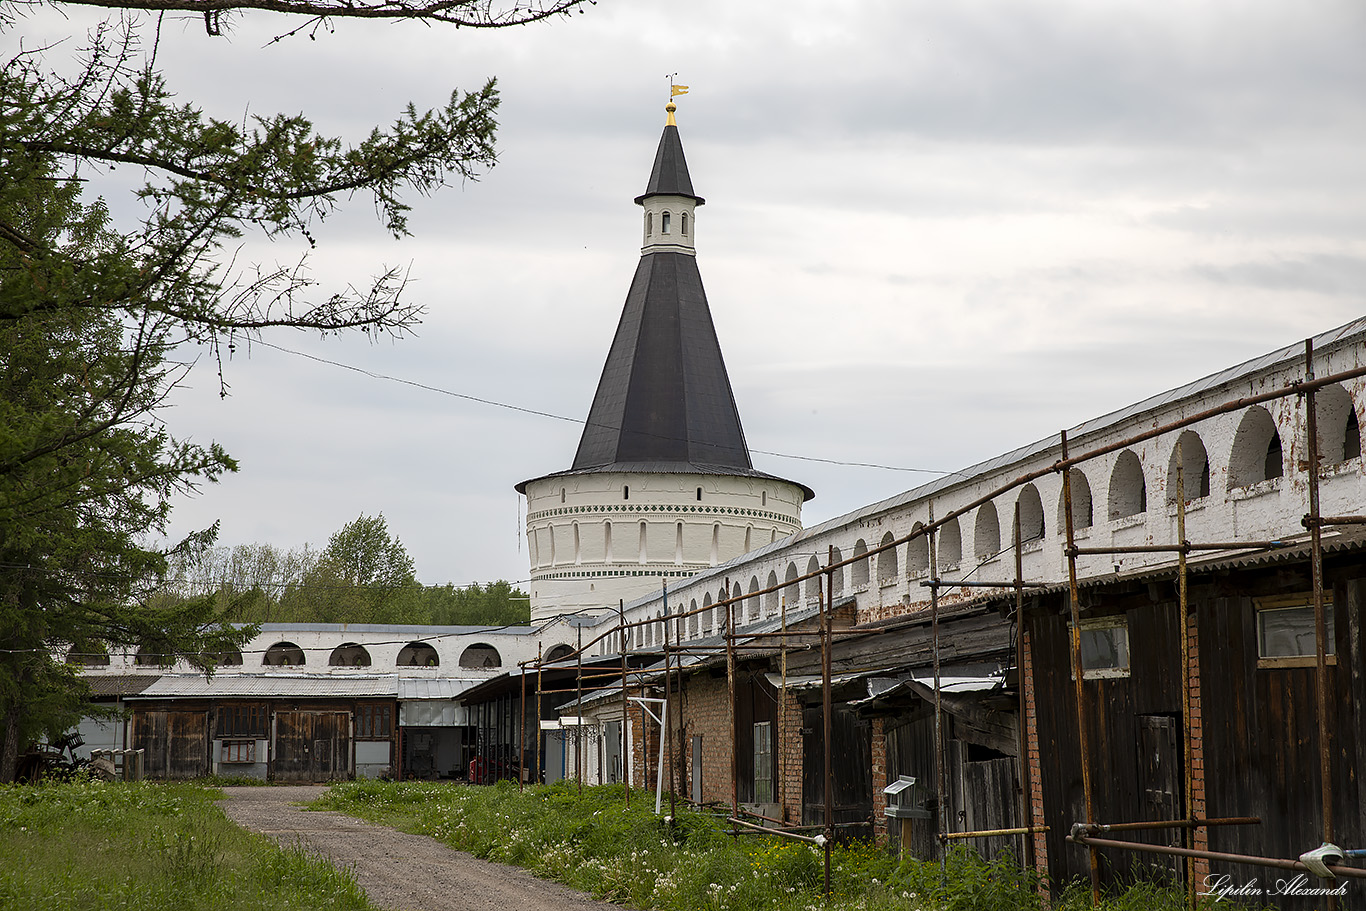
460	651
1125	497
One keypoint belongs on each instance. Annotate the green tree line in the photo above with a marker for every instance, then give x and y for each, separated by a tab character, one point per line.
363	575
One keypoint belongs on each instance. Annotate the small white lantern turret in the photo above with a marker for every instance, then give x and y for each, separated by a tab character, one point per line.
669	223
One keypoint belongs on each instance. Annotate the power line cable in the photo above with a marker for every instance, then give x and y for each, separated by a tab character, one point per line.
494	403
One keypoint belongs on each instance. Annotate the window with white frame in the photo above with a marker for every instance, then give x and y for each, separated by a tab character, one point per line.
238	751
1104	647
1286	634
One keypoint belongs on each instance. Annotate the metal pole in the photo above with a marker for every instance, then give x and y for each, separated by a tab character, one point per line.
1074	597
941	770
667	724
625	708
730	684
1026	773
782	700
578	717
1320	617
521	737
1183	604
828	602
539	671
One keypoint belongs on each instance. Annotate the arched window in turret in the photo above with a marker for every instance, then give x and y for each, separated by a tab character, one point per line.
649	223
664	223
683	224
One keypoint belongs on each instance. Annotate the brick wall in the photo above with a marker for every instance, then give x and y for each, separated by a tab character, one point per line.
879	780
790	748
1032	756
706	712
1200	868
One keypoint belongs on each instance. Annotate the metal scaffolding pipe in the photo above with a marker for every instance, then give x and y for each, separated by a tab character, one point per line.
1252	859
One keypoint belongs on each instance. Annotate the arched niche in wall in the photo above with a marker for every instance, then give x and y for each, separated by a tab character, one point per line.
950	543
1339	429
836	577
986	532
1128	487
88	654
1195	467
559	653
1082	511
771	599
918	552
752	610
230	658
886	560
1256	454
1031	514
792	591
283	654
418	654
481	654
349	654
859	569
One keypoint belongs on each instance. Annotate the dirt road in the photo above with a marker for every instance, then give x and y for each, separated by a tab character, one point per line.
397	870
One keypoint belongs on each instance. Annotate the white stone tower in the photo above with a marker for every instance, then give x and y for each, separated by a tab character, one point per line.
662	485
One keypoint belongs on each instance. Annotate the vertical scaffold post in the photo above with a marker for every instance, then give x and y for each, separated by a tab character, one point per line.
941	770
578	715
1183	606
1321	685
1024	683
521	738
625	708
1073	598
827	634
730	684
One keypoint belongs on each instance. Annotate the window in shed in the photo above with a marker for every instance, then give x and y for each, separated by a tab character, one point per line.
374	722
242	721
1285	631
238	751
763	762
1104	647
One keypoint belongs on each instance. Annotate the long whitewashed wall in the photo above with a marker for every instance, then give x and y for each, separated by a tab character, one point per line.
1126	497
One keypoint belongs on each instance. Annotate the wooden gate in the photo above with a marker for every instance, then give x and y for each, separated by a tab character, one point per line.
174	744
851	769
1161	786
312	746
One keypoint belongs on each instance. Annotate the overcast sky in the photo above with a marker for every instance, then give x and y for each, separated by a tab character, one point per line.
933	232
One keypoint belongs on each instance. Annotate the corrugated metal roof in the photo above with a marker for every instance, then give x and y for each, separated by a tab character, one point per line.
409	631
119	684
435	687
285	686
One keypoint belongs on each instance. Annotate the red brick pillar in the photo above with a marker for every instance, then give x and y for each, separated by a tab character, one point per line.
1197	808
789	759
879	780
1031	754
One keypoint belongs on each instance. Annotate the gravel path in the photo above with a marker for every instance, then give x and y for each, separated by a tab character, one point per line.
397	870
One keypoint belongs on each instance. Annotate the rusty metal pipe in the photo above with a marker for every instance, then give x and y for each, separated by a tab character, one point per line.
1274	862
1183	548
781	833
1200	823
992	833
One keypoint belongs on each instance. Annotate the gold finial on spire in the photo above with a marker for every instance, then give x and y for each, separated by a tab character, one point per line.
674	91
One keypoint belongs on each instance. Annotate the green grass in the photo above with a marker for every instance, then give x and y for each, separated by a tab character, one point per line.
152	847
595	843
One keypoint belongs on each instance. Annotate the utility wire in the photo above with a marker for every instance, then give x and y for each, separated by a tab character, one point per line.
560	417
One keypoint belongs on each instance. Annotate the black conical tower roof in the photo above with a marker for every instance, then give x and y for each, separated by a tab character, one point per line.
669	176
664	395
